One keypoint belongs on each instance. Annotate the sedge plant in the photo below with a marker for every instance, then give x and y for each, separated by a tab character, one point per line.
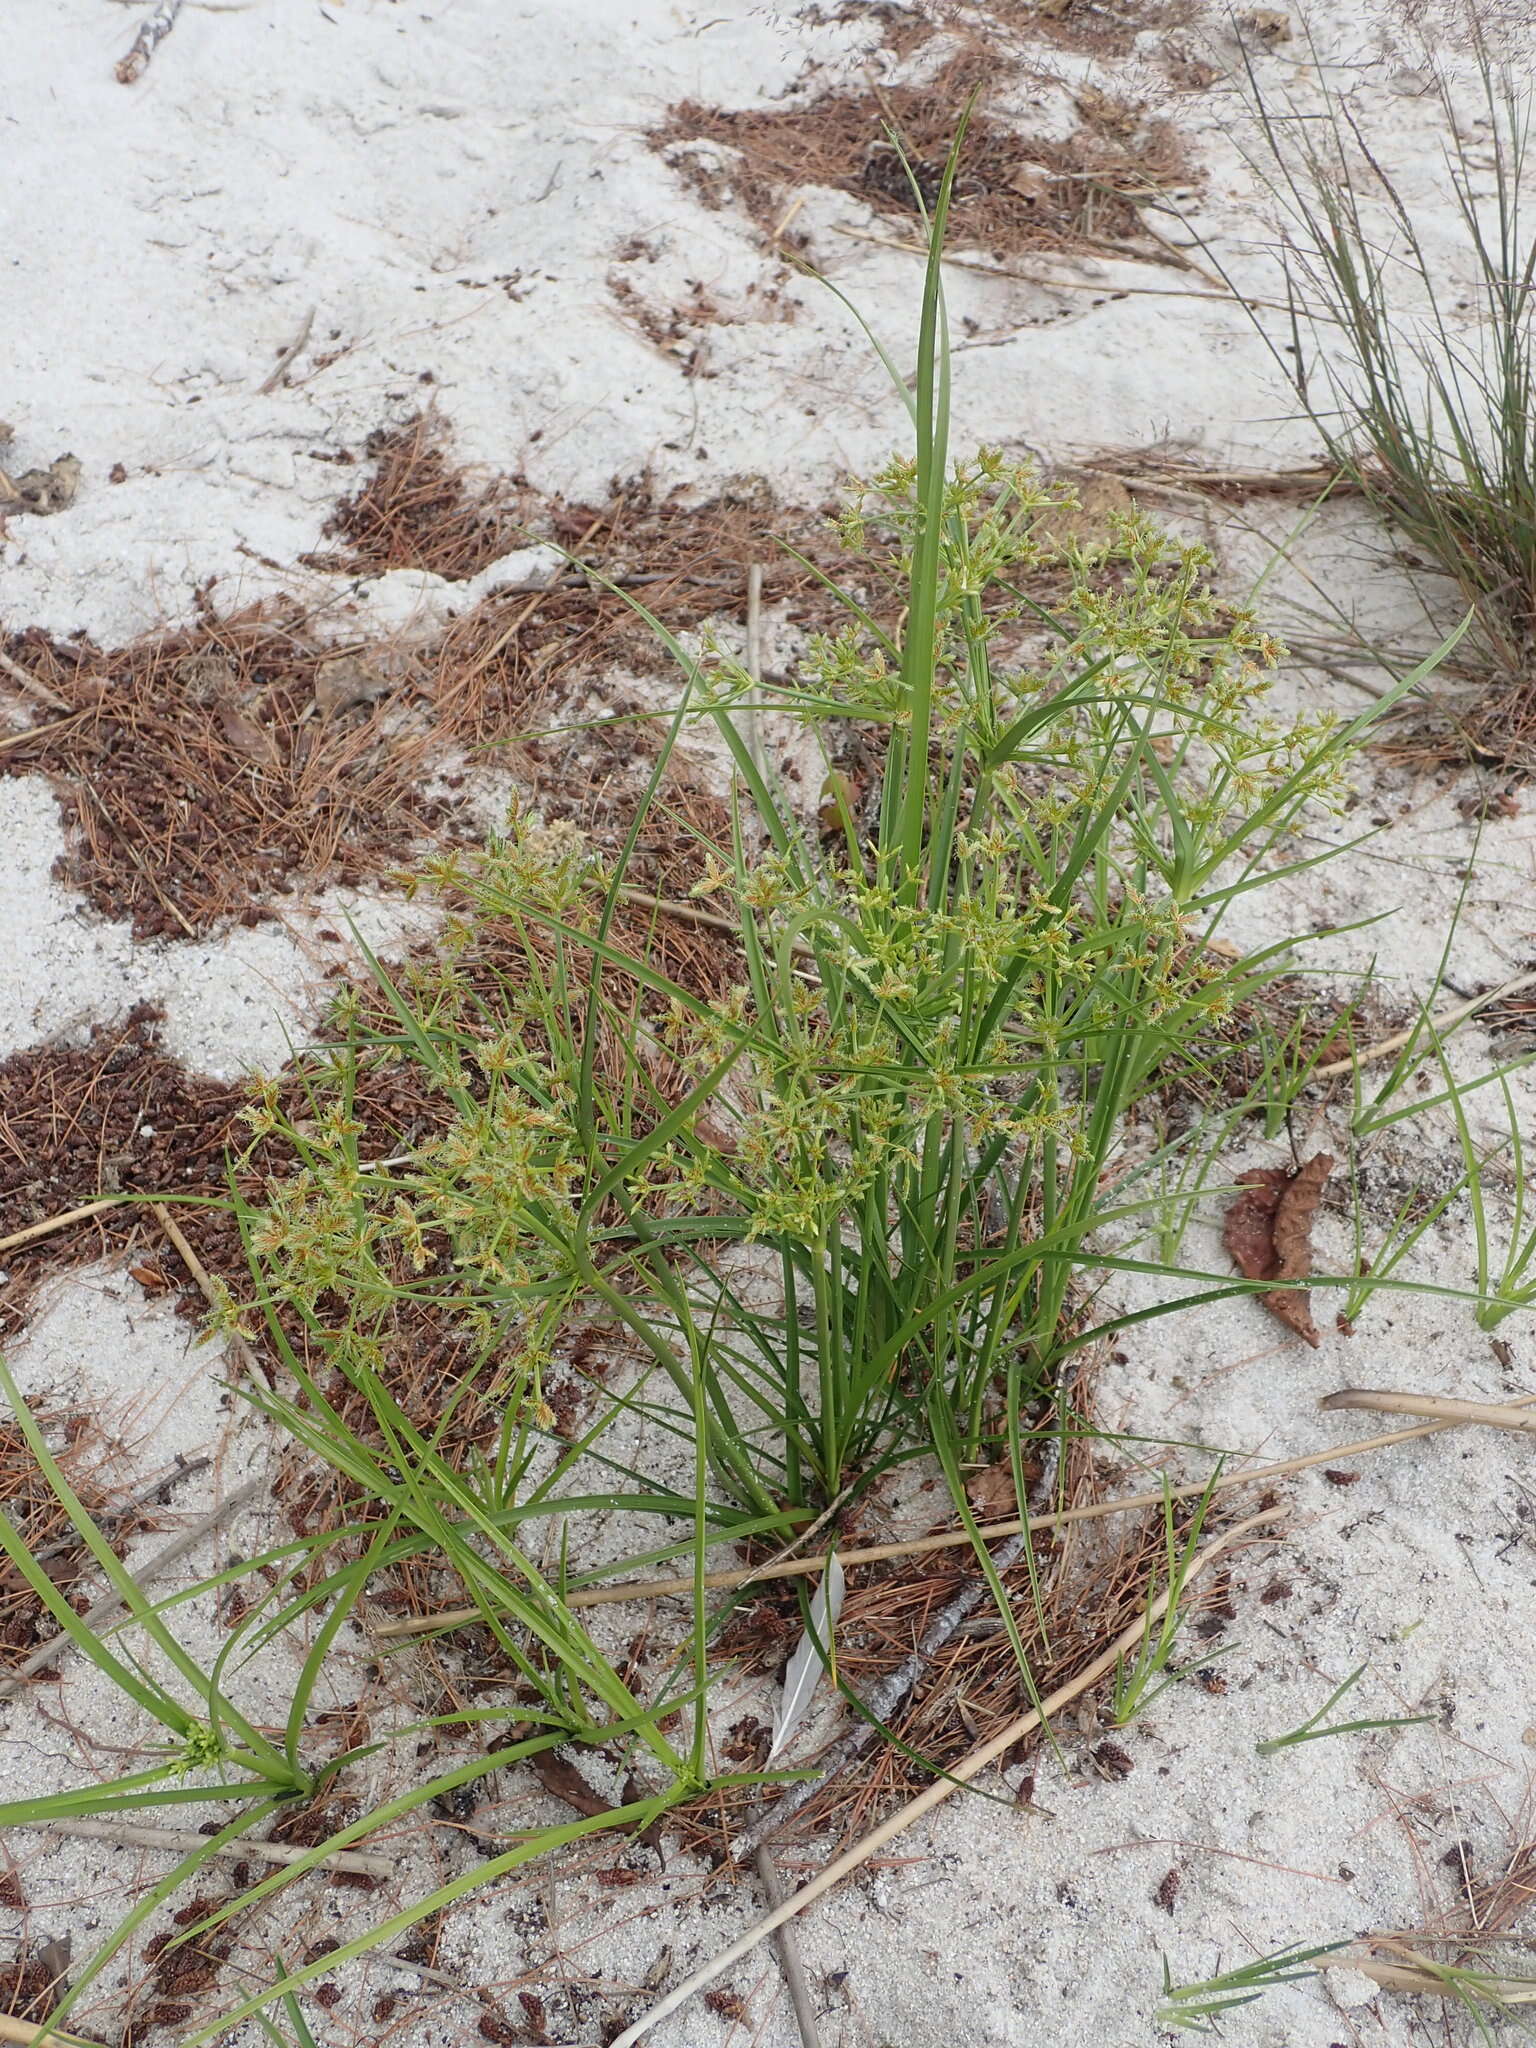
842	1215
908	1114
1197	2006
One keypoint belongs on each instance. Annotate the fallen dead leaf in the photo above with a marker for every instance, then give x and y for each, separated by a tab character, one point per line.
561	1777
1267	25
1268	1234
350	679
990	1491
245	734
1031	182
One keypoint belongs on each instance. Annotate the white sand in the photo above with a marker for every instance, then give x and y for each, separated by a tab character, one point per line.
449	189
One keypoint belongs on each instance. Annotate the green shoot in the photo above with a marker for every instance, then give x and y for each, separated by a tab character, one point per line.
1194	2008
1317	1725
1140	1679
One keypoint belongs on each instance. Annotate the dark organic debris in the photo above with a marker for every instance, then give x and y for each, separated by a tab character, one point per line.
202	768
420	510
113	1115
41	490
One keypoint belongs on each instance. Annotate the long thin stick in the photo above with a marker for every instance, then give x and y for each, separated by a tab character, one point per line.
1440	1025
924	1546
239	1350
789	1956
24	680
37	732
27	2031
1067	284
969	1767
62	1221
1443	1407
883	1701
110	1603
184	1468
177	1842
286	357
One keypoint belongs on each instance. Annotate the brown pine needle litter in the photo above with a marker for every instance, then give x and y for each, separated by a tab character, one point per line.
197	778
203	770
960	1774
1015	192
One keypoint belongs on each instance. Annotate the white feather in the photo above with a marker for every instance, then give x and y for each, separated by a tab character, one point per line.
810	1658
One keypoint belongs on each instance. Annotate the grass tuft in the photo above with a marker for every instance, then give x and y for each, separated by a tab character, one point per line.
1424	400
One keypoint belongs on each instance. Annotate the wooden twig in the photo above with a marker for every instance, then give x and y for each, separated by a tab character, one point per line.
28	682
240	1351
112	1602
925	1546
1066	284
789	1956
1420	1979
153	30
27	2031
288	356
62	1221
28	733
1440	1407
1446	1021
179	1841
1190	480
961	1773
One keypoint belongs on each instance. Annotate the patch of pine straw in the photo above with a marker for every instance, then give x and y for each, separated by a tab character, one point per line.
1097	28
197	778
1094	1580
201	770
1491	727
80	1121
419	509
1014	193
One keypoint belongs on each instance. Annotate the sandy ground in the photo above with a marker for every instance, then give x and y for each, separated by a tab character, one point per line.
445	194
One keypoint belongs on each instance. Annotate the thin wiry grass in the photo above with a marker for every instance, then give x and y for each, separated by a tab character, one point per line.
1425	406
1151	1671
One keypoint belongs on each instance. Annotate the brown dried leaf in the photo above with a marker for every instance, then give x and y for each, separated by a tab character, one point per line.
991	1493
245	734
1268	1234
1249	1232
1293	1217
1032	182
556	1775
349	679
